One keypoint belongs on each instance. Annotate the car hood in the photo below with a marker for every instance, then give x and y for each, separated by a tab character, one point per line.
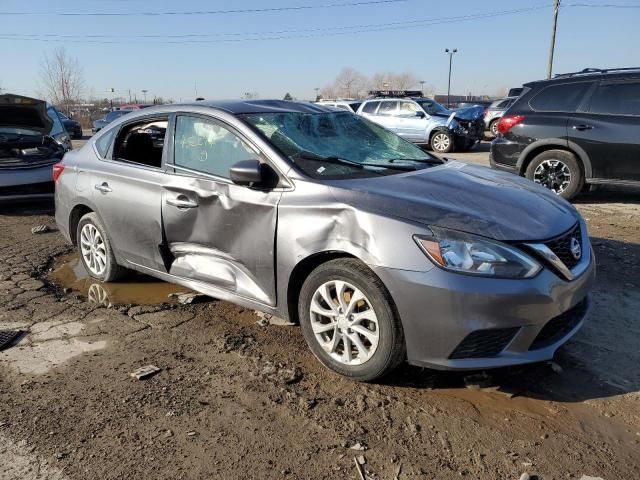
23	112
464	197
468	114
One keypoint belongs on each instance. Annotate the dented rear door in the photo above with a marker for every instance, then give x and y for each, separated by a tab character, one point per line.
215	231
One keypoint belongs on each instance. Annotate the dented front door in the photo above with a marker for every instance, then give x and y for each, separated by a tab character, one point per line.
215	231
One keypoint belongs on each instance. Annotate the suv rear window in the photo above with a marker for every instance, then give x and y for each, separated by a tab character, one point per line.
617	99
559	98
370	107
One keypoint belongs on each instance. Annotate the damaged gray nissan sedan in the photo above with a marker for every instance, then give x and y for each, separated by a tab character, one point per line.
382	252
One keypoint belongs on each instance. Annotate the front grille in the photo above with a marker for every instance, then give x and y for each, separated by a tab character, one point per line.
560	326
561	246
484	343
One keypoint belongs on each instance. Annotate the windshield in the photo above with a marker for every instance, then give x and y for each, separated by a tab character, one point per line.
338	144
432	107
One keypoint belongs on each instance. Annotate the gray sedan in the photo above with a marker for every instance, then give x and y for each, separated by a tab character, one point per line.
382	252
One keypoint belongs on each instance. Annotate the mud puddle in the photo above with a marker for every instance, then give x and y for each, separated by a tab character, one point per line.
139	289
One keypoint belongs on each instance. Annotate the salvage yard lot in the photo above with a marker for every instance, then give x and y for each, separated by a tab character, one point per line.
241	399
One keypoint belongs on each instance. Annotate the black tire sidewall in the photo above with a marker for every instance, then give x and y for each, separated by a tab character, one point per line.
112	270
570	160
380	362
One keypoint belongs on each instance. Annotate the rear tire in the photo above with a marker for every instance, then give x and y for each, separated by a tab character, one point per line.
493	127
96	253
557	170
441	142
360	336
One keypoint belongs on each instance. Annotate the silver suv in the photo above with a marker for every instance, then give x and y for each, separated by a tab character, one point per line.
425	121
494	113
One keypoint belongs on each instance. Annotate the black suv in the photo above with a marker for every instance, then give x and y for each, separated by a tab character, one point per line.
575	129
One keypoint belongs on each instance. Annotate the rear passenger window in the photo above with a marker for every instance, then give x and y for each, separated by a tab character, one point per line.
387	108
408	109
559	98
206	146
370	107
617	99
104	142
141	142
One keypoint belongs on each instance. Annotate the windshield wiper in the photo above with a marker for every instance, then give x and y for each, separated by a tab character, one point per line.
330	159
417	160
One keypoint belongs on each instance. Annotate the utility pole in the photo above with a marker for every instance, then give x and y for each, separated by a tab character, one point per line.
451	53
554	25
145	95
317	89
422	82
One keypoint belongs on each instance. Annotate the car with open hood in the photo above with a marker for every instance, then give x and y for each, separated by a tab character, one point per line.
425	121
382	252
32	140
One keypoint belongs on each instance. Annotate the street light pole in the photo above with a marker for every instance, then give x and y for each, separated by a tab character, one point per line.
450	53
317	89
145	95
554	26
422	82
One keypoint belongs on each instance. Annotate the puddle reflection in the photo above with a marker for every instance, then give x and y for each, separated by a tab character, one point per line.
138	289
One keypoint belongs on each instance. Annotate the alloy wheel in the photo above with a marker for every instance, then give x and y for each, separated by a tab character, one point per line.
344	322
441	142
93	249
494	129
553	174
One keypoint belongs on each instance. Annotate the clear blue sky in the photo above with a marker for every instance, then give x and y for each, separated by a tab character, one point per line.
494	52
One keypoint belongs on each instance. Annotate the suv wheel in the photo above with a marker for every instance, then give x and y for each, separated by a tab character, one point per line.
349	322
557	170
493	127
442	142
95	250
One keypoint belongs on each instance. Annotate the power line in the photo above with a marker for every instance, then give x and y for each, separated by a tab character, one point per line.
268	35
203	12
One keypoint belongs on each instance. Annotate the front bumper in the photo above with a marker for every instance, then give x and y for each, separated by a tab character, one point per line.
27	183
441	310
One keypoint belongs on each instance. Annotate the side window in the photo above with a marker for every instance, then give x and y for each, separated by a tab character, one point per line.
617	99
408	109
344	107
559	98
503	104
141	142
370	107
206	146
57	127
104	142
388	108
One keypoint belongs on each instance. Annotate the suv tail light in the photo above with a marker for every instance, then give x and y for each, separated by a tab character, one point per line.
507	122
57	171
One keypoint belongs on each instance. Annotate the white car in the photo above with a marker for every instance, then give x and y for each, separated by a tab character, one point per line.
348	105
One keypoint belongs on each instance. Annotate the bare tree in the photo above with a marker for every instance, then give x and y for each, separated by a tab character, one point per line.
404	81
61	77
350	82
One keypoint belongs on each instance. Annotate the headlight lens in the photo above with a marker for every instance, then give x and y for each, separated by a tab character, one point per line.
471	254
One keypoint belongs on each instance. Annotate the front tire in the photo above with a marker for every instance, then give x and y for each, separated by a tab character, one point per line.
96	253
441	142
557	170
349	320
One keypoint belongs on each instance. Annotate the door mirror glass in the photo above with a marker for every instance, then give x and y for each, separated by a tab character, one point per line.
246	172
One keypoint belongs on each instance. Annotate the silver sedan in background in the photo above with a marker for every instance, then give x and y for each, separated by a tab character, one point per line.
382	252
494	113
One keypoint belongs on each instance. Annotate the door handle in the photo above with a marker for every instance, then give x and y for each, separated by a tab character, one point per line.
582	127
103	187
181	201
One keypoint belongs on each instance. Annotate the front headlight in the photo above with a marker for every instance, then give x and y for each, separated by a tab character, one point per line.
471	254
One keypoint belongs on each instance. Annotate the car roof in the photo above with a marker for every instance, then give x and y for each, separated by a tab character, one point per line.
586	76
236	107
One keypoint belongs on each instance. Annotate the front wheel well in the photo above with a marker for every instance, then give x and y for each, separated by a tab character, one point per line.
300	273
76	214
544	148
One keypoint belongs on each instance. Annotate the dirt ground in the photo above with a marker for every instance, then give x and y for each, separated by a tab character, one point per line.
237	399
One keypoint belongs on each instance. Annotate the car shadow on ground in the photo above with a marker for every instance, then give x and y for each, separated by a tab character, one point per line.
609	194
28	208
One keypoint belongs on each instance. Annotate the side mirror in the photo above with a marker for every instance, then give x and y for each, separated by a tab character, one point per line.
246	172
420	114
